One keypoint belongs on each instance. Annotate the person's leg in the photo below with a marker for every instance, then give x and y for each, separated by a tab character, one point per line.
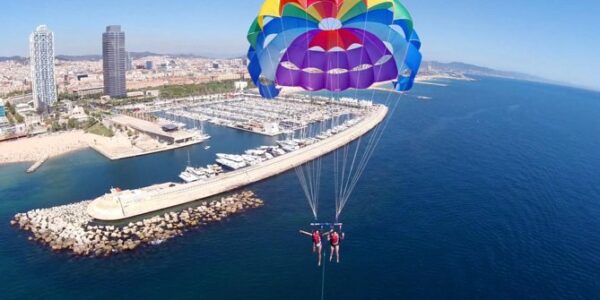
331	253
320	250
314	247
337	253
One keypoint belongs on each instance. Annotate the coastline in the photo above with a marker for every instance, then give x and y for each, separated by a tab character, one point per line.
32	149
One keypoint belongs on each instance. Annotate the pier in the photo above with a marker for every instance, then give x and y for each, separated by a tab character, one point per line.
150	138
37	164
121	205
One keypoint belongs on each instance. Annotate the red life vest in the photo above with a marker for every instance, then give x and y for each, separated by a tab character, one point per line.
316	237
335	239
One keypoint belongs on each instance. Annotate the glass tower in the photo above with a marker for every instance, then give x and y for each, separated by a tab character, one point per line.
114	59
41	47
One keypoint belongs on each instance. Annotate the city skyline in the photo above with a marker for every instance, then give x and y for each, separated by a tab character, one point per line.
517	40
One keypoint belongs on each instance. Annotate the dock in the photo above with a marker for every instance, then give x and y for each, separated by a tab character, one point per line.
127	204
151	138
37	164
116	151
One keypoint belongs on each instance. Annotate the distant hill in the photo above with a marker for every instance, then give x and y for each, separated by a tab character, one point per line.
79	57
468	69
15	58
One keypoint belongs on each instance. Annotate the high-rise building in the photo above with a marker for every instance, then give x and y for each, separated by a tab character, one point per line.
129	62
149	65
114	60
41	49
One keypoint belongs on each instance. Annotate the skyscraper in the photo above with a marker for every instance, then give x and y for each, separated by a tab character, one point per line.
129	66
114	60
41	48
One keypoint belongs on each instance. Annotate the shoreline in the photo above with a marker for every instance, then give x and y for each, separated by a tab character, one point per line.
33	149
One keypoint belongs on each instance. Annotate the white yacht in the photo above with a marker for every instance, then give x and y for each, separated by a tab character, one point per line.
232	157
188	177
231	164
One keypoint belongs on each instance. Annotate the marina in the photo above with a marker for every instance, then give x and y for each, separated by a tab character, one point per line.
119	205
191	174
255	156
250	112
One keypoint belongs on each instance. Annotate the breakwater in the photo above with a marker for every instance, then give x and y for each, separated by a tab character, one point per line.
37	164
69	227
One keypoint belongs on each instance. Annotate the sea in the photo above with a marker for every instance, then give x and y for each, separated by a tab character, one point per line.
485	189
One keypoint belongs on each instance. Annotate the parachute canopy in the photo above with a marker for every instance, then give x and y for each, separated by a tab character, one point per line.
333	45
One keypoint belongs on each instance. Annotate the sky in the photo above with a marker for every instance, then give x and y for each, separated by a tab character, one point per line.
554	39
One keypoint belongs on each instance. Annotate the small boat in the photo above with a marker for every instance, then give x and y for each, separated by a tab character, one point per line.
206	147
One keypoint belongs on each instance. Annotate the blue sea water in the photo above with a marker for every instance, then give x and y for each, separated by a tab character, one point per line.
490	190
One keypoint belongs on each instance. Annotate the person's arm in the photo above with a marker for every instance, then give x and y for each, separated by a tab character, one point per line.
304	232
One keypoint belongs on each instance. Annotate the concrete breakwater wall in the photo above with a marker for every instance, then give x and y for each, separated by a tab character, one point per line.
70	228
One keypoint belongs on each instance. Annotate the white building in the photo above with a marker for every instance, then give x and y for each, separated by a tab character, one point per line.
41	47
78	113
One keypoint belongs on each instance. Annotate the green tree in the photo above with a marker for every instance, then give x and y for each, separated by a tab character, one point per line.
72	124
55	126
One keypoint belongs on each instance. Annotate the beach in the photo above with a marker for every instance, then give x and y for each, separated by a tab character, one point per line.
36	148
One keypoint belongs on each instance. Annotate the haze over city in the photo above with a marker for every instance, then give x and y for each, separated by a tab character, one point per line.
537	37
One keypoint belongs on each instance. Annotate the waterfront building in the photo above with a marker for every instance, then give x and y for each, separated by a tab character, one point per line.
41	47
114	59
149	65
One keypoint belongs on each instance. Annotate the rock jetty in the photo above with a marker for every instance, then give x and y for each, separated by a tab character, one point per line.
70	228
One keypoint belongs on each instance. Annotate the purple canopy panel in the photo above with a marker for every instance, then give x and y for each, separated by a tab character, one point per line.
386	71
295	54
338	82
337	60
374	47
287	77
357	57
312	81
361	79
314	59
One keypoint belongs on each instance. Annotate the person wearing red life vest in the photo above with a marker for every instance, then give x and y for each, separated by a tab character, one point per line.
317	245
334	240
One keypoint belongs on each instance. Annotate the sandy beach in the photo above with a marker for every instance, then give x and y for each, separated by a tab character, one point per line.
36	148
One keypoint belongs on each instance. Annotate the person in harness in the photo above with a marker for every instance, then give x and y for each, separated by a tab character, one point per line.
334	240
317	245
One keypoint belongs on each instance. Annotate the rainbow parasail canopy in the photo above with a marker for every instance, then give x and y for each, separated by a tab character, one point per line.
332	45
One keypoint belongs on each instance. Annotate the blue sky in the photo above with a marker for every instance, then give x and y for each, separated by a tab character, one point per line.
556	39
